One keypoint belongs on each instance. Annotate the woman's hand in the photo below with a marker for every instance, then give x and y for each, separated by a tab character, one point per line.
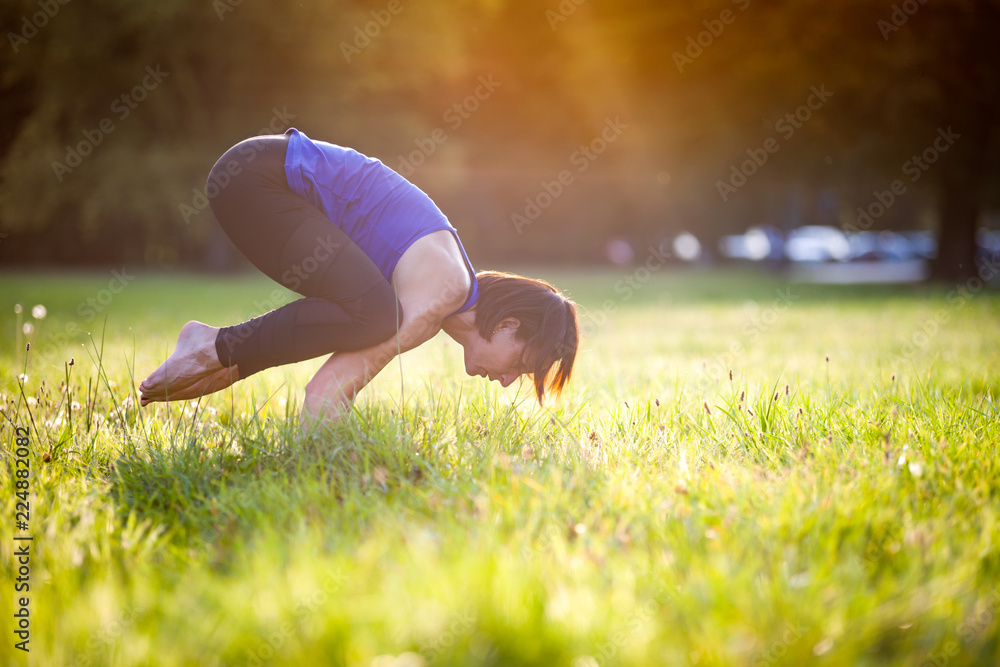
320	411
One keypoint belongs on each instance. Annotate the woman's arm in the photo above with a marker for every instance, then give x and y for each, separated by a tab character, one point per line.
332	389
432	282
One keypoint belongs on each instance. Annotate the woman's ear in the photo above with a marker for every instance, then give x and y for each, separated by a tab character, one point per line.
511	323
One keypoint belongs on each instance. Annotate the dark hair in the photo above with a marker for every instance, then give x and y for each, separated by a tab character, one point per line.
549	324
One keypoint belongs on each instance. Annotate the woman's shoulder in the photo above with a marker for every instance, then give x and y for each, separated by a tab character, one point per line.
433	274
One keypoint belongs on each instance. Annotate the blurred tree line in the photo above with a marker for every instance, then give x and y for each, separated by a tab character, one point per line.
541	129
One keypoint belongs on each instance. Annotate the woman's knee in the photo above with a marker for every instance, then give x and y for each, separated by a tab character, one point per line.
226	168
255	156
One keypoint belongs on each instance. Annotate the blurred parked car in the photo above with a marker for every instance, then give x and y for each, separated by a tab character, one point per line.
816	243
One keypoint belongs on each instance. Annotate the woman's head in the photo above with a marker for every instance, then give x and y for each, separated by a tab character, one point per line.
527	327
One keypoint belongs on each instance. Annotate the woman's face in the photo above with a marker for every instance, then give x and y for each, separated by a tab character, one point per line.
503	358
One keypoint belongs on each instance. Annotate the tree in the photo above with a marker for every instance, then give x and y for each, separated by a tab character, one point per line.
907	78
733	110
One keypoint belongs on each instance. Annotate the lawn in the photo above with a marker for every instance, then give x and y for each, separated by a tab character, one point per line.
742	472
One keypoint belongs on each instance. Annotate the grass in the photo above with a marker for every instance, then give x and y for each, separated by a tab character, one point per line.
743	472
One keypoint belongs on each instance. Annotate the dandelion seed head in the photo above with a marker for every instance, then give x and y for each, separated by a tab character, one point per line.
17	309
823	646
39	312
28	328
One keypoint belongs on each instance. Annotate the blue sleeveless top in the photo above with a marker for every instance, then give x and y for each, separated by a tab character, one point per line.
382	212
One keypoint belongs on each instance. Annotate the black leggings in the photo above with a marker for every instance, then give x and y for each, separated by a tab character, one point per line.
348	304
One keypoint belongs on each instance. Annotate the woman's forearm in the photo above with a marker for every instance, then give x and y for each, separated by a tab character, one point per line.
332	389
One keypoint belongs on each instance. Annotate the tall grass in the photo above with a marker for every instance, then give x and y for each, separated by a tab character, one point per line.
826	492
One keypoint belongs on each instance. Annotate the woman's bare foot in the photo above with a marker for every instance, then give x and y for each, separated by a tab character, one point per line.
192	370
209	385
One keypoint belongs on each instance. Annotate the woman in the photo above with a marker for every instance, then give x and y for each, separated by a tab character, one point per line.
381	271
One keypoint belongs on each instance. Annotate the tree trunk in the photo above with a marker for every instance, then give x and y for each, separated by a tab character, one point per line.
971	106
960	194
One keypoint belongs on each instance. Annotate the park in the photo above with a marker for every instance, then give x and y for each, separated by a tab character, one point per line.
567	334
